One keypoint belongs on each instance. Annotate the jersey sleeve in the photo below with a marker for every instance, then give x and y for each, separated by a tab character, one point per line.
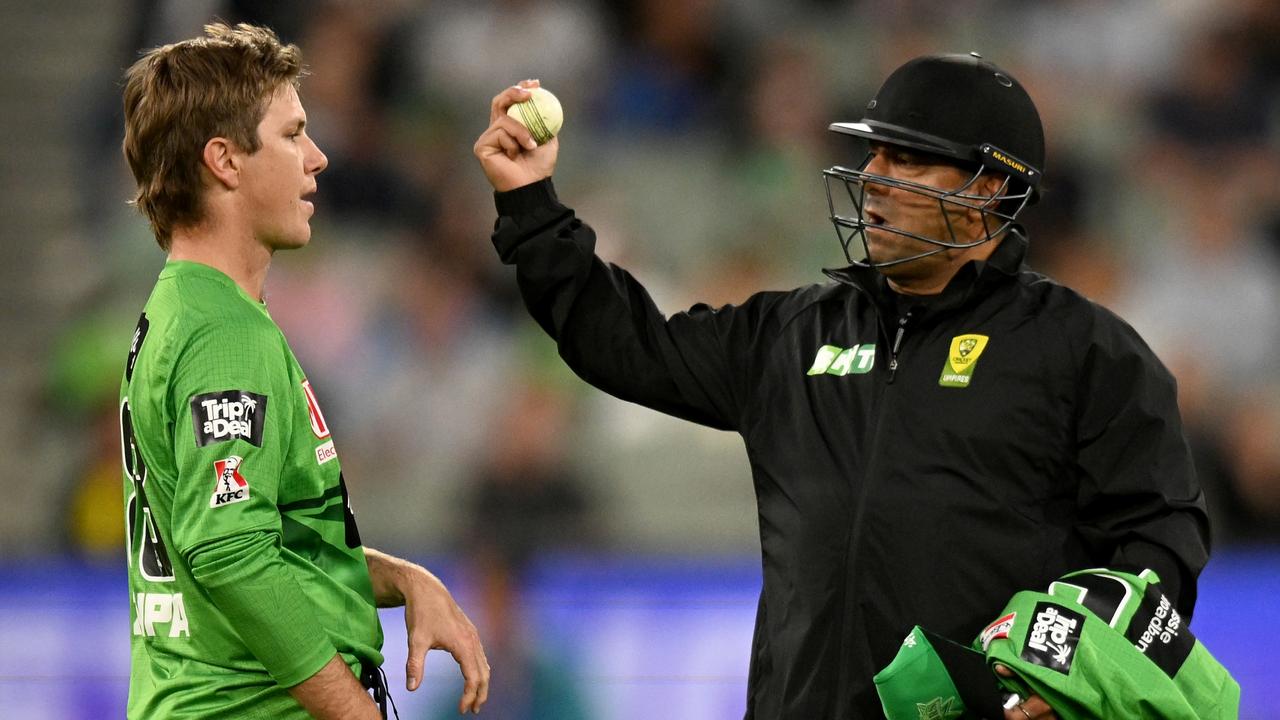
694	365
231	425
244	574
1140	502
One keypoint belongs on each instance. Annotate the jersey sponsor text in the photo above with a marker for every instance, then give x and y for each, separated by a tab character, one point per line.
833	360
326	452
1055	633
151	609
318	426
228	415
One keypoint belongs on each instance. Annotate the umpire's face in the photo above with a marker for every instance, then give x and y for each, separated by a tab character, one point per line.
921	214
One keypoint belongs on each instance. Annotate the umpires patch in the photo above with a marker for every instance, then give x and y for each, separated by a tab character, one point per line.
1055	632
228	415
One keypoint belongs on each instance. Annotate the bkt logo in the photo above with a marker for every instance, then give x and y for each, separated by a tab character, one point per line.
231	486
228	415
834	360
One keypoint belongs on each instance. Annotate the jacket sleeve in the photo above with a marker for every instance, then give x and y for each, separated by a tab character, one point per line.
692	365
1140	504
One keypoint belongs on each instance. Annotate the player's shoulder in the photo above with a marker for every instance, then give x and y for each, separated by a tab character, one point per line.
198	314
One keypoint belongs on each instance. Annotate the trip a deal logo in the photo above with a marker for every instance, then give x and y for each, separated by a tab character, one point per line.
228	415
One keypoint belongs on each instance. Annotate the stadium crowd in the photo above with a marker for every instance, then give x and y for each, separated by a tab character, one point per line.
695	136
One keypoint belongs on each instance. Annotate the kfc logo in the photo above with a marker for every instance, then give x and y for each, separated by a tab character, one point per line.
231	487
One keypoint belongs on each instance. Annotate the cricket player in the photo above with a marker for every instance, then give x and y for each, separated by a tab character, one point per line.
251	593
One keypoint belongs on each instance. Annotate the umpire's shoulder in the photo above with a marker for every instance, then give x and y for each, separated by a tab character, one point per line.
779	308
1082	321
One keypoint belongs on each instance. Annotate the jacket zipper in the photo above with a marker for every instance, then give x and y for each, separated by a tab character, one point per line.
897	344
856	525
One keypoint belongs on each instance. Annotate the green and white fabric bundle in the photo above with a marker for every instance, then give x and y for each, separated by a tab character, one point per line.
1099	644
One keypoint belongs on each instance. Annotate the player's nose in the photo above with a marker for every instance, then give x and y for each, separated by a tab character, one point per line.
317	160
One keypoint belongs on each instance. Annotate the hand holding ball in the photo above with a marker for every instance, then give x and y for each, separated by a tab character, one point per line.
541	114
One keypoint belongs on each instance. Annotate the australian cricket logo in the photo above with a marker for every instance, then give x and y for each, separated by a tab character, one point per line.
961	359
939	709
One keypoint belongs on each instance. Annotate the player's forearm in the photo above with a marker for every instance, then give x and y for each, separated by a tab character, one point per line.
334	693
388	575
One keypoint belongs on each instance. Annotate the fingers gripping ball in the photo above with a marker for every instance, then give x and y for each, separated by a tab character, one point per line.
541	113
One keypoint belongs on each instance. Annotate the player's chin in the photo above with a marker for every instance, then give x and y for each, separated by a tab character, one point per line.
298	238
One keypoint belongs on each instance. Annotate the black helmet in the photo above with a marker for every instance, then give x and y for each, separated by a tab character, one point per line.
961	108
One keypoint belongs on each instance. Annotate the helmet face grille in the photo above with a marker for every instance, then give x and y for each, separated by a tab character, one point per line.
846	196
961	108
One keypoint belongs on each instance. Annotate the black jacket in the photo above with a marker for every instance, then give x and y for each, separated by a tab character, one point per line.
886	499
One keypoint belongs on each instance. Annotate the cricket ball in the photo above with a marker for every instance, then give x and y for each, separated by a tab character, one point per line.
541	113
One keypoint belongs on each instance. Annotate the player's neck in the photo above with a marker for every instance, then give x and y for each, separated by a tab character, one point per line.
239	256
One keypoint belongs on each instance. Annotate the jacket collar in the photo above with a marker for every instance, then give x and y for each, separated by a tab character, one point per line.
975	277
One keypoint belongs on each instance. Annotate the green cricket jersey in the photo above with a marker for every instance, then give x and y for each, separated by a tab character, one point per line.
1100	644
246	571
1109	644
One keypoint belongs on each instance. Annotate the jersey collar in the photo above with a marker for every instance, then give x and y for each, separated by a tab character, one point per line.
189	268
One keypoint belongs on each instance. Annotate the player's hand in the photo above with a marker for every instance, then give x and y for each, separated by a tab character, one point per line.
507	151
1033	708
435	622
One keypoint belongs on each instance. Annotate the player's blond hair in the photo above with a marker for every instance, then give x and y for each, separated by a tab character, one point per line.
179	96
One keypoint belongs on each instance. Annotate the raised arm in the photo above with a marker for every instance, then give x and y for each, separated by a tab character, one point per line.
694	365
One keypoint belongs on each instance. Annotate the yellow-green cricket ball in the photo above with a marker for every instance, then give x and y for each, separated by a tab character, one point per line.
541	113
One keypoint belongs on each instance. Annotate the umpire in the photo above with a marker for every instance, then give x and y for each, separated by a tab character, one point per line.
934	430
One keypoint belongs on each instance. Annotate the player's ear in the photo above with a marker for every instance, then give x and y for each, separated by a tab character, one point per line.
222	160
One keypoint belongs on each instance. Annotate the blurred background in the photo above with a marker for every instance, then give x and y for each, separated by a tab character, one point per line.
608	554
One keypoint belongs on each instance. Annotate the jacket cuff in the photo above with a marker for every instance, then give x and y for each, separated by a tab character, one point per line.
526	199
